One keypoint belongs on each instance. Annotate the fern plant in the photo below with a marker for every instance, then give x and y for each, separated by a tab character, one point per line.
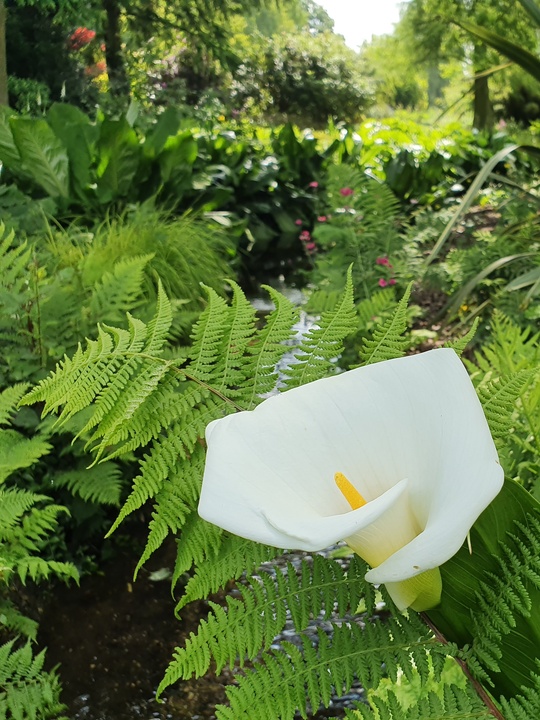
136	396
27	692
506	369
27	519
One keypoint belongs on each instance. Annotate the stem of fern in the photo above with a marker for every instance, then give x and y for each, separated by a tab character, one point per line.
479	689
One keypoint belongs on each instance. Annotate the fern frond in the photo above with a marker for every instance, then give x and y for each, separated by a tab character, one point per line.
160	325
229	371
208	336
268	348
526	705
286	681
199	541
14	260
249	624
232	558
12	619
174	453
511	348
375	308
505	596
26	691
388	341
459	345
18	452
171	505
456	704
9	399
14	503
498	398
100	484
324	342
119	291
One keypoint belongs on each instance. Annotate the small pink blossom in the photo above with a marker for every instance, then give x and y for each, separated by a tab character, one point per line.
346	191
382	282
392	281
383	261
305	236
298	222
313	184
322	218
310	247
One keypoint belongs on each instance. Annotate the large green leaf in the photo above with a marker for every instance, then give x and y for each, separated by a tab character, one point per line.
179	154
525	59
119	154
44	155
166	127
462	577
79	135
9	155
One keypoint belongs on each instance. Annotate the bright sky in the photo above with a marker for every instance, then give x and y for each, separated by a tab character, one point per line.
358	20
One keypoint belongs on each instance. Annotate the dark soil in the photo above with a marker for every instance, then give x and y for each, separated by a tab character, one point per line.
114	638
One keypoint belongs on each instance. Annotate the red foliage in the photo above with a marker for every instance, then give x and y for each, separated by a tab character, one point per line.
80	37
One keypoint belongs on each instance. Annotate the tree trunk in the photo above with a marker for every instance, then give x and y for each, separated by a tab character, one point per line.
435	84
119	83
4	100
483	109
484	117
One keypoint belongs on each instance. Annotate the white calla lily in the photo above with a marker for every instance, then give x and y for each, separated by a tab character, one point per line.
395	458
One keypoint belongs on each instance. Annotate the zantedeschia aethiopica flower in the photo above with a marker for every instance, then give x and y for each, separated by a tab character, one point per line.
395	458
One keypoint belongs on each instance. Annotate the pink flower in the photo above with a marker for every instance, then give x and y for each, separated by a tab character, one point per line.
382	282
298	222
382	261
305	236
392	281
346	191
322	218
310	247
313	184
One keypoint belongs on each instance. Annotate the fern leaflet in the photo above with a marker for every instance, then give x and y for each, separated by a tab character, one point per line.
388	341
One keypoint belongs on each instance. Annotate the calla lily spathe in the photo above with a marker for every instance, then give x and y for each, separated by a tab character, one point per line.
395	458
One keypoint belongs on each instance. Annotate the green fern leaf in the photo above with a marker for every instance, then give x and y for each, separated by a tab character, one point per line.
456	704
268	348
287	681
9	399
234	557
119	291
459	345
388	341
12	619
498	398
250	624
324	343
200	541
208	336
101	484
230	370
160	325
26	691
18	452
